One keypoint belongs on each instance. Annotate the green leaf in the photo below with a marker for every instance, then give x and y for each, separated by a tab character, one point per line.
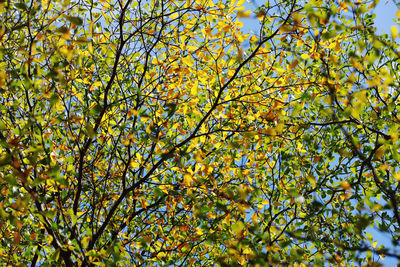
78	21
62	29
56	255
2	126
89	130
54	171
5	160
21	5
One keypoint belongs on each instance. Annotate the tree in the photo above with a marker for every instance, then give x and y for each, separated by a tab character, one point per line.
159	133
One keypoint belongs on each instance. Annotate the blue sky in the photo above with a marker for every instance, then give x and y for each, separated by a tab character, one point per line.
385	13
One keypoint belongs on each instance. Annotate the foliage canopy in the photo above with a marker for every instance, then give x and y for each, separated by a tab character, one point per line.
160	133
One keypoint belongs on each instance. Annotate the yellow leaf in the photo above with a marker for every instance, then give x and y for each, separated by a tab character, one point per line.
398	13
198	157
188	61
370	237
356	64
337	47
331	45
254	218
240	2
296	17
394	32
397	176
247	251
163	188
174	15
274	229
161	254
380	152
207	31
149	128
346	196
134	112
245	14
98	263
238	228
355	112
384	167
345	185
265	202
144	203
311	180
305	56
187	179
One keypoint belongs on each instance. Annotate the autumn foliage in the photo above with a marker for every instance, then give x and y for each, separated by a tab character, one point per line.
162	133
